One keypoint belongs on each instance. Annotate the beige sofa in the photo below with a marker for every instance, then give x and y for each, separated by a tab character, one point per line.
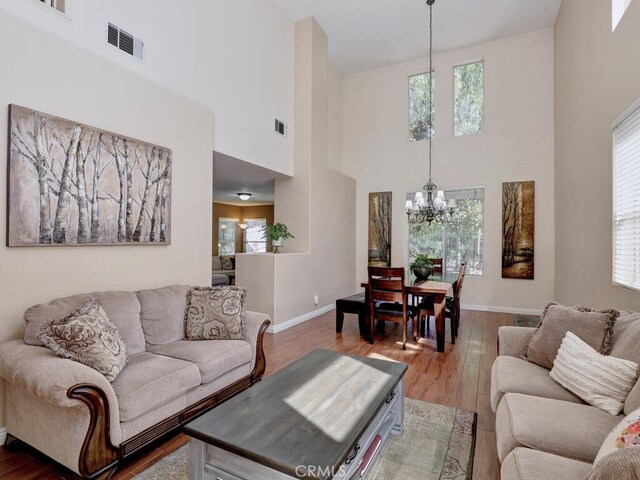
74	415
216	266
542	430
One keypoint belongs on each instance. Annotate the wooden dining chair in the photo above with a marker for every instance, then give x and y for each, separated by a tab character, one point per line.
388	299
426	309
437	264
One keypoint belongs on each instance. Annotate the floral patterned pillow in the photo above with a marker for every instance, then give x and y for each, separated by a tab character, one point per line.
215	313
87	336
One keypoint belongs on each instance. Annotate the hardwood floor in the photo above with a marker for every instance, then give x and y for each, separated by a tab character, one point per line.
459	377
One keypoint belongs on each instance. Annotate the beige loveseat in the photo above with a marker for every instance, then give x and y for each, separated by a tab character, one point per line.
542	430
74	415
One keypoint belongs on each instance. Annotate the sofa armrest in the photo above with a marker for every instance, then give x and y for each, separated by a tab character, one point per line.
43	374
513	341
255	326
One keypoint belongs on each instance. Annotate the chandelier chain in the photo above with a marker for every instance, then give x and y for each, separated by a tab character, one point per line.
430	83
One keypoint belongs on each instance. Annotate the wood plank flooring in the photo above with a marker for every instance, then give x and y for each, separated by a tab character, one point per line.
459	377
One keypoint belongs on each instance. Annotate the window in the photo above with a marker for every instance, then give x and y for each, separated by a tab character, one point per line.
226	236
626	202
57	4
468	115
421	124
255	240
459	240
618	7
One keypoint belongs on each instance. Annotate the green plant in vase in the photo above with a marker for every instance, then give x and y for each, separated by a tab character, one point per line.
277	233
421	266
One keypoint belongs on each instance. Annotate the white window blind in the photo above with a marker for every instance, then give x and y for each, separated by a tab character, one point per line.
626	202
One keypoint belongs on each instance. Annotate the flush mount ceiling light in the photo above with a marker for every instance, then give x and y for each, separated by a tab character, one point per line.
244	196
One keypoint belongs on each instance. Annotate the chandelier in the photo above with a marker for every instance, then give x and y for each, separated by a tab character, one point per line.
433	206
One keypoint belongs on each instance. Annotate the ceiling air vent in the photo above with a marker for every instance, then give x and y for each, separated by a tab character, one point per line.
281	128
125	41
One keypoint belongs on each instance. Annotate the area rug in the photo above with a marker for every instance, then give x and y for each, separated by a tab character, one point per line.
438	443
526	320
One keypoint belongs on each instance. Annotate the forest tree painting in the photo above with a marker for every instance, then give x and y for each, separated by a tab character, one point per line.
380	229
71	184
518	220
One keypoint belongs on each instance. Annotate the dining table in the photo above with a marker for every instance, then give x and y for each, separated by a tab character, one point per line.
436	286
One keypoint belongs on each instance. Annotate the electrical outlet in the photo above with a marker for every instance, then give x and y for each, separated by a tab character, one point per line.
316	299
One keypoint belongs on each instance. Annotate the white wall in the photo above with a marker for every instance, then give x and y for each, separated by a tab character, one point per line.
597	77
317	204
236	57
49	75
517	144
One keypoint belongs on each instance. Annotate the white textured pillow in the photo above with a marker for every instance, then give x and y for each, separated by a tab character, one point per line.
599	380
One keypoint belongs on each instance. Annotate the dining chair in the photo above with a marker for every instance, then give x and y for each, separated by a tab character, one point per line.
426	308
437	264
388	299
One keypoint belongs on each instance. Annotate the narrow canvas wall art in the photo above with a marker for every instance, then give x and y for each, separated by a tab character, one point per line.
71	184
380	229
518	220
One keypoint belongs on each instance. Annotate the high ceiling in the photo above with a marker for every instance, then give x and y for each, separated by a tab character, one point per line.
365	34
232	176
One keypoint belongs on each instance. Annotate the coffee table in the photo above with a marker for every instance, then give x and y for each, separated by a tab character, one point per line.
324	416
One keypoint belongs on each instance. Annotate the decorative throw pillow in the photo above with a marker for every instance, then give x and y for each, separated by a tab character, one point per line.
623	464
226	263
599	380
595	327
625	434
215	313
89	337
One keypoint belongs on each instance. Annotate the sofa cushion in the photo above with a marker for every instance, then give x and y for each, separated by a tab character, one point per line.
150	380
553	426
216	263
122	308
514	375
595	327
162	313
600	380
527	464
212	357
215	313
626	339
87	336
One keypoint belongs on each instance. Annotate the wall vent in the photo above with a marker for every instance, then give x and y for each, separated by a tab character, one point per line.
281	128
125	41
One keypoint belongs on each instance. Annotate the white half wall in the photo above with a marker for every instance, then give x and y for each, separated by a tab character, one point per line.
55	77
517	144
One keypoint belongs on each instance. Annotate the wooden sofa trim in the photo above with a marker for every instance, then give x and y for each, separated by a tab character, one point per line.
99	458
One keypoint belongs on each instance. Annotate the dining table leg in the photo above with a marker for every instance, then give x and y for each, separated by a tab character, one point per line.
439	310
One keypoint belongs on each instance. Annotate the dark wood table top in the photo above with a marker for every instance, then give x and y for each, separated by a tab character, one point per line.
309	413
438	283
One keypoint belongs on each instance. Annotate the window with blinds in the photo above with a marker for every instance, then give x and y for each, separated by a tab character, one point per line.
626	202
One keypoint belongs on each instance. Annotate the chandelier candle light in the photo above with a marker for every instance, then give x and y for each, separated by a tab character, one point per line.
434	206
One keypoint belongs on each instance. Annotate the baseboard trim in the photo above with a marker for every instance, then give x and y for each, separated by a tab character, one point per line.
3	436
301	319
492	308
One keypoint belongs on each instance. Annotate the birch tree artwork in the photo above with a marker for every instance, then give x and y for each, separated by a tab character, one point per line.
380	229
518	221
71	184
